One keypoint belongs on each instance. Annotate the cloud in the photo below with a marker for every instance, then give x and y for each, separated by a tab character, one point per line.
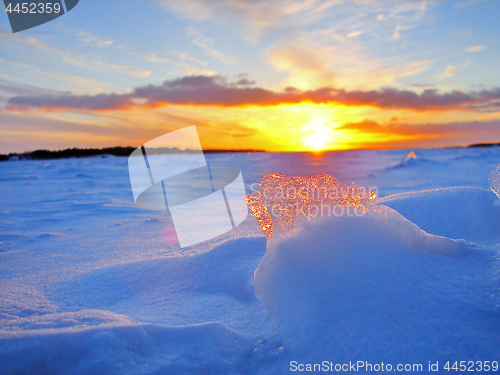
452	70
260	17
353	34
449	71
252	18
476	48
17	88
206	44
307	61
29	132
312	59
31	41
244	82
296	33
454	133
23	133
70	102
365	126
124	69
182	68
73	61
71	57
82	85
87	37
185	56
217	91
154	58
131	71
423	85
401	135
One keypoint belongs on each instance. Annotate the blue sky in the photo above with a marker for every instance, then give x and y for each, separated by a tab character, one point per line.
114	47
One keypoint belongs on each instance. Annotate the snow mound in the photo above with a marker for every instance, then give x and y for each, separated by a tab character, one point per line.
216	285
468	213
127	349
194	314
378	287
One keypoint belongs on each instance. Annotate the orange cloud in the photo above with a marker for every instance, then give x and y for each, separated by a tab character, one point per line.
216	91
449	134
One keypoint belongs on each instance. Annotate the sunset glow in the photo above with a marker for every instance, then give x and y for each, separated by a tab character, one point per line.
316	140
410	74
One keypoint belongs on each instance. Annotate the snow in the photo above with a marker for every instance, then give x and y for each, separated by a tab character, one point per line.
467	213
92	284
378	288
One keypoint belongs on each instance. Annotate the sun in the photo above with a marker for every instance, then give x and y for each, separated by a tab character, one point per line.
316	140
317	134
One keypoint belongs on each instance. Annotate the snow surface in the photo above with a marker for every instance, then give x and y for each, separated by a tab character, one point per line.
89	283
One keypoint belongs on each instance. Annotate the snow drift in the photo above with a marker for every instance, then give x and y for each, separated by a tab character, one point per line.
376	288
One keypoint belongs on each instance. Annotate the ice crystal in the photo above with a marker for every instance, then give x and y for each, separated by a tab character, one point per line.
283	200
411	155
494	181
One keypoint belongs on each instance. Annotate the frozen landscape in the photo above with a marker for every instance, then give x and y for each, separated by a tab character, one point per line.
92	284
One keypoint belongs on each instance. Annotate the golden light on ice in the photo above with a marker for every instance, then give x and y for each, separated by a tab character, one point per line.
284	200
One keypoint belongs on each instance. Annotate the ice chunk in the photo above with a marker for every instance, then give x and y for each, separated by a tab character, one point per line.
411	155
409	159
494	180
283	200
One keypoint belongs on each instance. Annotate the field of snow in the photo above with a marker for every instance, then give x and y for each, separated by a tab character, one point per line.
89	283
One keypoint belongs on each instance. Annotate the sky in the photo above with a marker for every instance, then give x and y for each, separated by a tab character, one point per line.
291	75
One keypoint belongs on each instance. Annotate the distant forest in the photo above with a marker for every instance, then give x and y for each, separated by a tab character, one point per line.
124	151
87	152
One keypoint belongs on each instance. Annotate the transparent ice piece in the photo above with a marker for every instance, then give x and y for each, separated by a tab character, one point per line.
494	181
284	200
